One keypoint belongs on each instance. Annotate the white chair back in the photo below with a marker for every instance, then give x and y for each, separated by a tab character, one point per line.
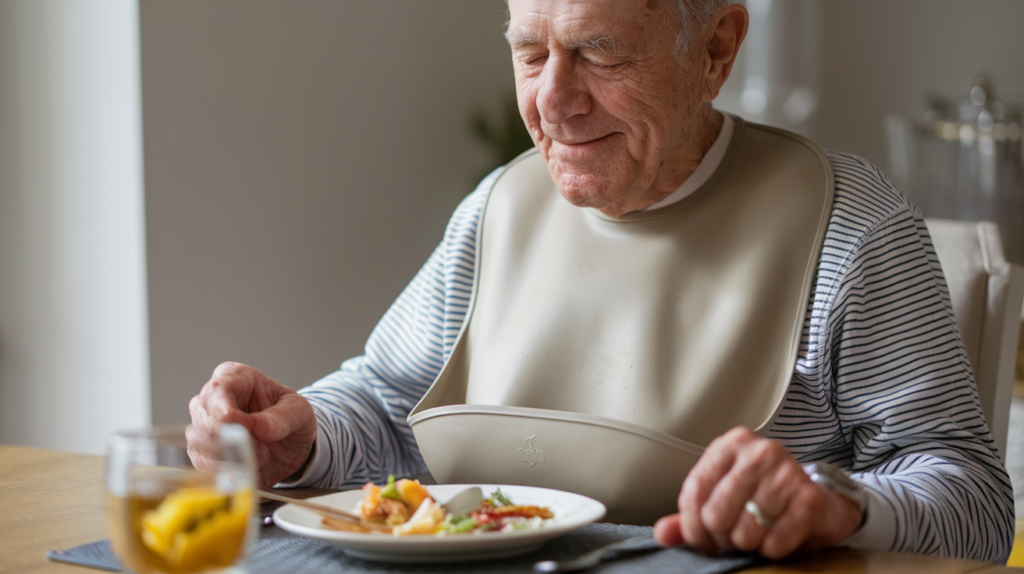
987	293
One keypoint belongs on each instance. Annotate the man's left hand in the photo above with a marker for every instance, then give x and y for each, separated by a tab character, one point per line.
742	466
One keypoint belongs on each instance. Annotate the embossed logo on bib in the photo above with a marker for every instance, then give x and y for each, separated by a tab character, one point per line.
529	453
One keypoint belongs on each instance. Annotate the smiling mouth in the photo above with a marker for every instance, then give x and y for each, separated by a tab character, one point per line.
583	142
580	149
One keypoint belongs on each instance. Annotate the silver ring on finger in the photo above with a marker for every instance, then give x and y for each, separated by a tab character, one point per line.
762	518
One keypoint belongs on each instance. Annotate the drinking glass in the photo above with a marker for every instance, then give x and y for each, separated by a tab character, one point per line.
167	516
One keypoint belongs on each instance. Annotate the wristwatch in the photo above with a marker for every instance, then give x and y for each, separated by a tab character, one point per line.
833	478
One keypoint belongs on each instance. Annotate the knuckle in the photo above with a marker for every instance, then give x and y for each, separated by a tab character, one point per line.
741	433
794	471
803	510
762	448
732	436
794	475
716	444
714	518
227	368
694	490
815	501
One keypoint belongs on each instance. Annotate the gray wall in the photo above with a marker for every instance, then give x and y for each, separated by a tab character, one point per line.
302	159
884	56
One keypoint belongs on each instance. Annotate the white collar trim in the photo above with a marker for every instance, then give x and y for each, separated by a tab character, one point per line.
708	165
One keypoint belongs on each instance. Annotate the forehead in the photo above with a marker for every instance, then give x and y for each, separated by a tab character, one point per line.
574	21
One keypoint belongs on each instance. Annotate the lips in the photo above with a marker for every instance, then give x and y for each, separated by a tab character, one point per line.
580	150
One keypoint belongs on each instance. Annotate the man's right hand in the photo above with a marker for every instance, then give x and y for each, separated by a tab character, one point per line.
280	420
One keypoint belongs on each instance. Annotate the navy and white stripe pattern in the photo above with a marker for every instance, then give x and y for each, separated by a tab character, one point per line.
882	384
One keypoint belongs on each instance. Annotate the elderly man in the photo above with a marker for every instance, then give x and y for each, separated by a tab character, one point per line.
687	264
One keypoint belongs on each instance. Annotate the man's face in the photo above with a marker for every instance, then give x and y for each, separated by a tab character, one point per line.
610	106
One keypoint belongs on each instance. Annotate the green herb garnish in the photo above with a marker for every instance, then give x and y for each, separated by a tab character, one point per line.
499	499
460	524
391	490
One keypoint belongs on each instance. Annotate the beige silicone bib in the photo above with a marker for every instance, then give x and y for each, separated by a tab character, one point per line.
601	355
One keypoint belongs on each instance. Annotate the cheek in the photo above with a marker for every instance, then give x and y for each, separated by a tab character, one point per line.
632	111
650	120
526	96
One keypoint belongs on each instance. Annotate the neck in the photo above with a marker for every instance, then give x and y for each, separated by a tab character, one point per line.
697	140
700	138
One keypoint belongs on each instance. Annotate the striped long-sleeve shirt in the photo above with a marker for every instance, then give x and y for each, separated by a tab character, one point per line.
882	384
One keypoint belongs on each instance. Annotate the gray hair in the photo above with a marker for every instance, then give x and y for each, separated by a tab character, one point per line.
692	16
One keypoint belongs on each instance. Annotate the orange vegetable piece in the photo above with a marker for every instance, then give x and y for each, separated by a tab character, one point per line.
412	492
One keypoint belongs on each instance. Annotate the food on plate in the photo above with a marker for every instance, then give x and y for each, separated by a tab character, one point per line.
407	507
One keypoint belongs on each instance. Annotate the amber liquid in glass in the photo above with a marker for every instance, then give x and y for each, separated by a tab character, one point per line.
186	527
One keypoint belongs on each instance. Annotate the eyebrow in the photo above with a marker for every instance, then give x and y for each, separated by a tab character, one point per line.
518	38
605	44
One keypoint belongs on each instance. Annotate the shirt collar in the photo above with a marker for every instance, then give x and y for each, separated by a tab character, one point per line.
708	165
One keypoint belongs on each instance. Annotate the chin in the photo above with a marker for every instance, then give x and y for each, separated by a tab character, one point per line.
586	190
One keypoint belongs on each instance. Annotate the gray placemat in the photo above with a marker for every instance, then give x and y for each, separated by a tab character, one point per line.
96	555
278	552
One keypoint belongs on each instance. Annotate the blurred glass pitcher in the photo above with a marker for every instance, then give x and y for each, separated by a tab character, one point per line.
964	161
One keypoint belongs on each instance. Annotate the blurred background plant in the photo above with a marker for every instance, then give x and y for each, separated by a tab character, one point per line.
503	134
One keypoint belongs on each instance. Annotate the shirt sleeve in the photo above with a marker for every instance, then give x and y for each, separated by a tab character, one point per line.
906	400
361	409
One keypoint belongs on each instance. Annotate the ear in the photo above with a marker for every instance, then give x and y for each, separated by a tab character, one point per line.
728	28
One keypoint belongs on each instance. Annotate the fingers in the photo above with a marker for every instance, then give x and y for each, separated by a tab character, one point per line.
233	391
771	477
666	531
792	528
706	526
723	513
281	421
738	467
695	492
197	446
225	398
290	414
222	406
773	498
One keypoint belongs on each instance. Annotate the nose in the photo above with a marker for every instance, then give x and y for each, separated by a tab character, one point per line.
562	93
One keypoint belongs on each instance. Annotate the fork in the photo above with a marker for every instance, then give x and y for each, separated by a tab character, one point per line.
328	511
595	557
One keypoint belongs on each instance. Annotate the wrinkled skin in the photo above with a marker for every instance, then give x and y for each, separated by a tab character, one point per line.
281	421
740	466
619	119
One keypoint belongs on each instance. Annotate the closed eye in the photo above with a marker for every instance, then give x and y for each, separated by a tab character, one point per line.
603	63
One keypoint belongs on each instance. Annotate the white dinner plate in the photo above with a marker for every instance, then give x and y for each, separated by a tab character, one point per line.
571	511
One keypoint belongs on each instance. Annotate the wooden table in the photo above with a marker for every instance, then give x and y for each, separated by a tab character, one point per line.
54	500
